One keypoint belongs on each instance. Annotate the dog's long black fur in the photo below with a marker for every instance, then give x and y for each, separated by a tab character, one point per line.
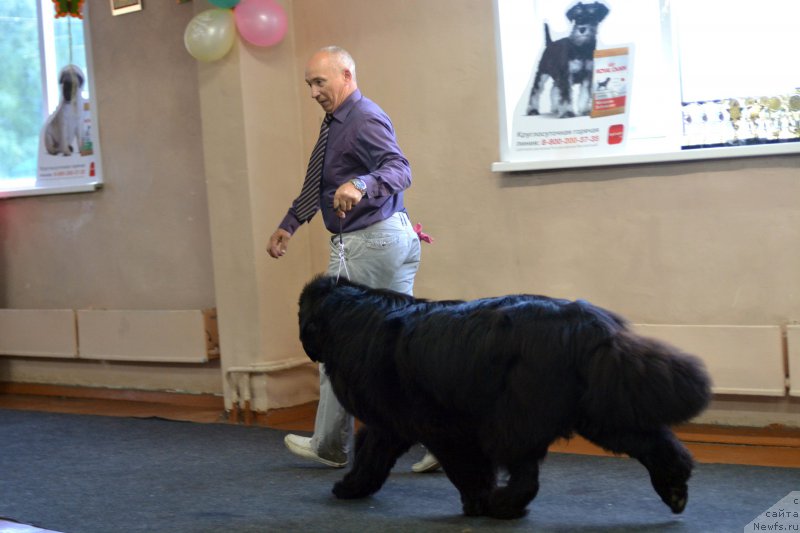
491	383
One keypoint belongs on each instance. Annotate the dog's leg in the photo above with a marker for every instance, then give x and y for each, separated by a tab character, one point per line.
66	149
52	132
375	455
50	142
470	470
561	96
585	94
536	92
666	459
523	486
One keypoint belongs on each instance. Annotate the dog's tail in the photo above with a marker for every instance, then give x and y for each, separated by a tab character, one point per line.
642	383
547	39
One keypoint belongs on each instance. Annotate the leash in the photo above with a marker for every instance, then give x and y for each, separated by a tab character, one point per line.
342	259
424	237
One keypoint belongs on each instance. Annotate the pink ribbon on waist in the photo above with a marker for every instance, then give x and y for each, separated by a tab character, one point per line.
422	236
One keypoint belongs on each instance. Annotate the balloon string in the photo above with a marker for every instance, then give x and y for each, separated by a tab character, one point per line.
69	35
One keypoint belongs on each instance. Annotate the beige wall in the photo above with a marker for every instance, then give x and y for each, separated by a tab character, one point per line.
713	242
701	243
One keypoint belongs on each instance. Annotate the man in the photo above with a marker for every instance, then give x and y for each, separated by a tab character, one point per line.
360	194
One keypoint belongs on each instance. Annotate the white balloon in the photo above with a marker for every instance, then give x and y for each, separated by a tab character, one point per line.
210	34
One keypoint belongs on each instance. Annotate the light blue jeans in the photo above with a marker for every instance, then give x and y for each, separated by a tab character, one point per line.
385	255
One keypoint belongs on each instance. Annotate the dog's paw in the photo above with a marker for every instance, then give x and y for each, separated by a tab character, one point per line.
500	506
474	507
506	513
349	491
671	486
675	497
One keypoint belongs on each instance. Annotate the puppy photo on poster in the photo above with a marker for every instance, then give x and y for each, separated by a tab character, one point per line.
68	147
64	132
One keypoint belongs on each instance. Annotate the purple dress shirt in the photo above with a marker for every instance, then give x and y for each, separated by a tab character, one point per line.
361	144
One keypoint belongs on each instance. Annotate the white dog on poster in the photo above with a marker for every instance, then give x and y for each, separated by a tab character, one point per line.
62	131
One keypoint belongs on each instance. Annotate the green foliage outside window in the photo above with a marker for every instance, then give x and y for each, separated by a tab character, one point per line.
21	97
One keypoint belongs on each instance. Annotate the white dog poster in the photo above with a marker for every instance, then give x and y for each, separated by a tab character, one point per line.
68	150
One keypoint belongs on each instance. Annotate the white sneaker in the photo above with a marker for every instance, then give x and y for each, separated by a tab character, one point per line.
429	463
302	446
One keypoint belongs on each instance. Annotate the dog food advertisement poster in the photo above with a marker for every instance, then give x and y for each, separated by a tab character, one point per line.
68	149
566	69
610	82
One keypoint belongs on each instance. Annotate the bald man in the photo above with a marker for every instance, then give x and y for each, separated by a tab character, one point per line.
364	174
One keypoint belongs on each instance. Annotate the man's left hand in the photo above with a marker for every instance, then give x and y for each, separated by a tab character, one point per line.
345	198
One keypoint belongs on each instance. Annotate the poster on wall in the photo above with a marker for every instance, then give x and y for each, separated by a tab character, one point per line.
69	152
608	82
576	98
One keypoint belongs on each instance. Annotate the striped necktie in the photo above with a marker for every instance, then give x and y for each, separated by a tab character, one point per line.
308	201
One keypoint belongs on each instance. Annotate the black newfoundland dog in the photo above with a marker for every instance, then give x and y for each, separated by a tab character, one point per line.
491	383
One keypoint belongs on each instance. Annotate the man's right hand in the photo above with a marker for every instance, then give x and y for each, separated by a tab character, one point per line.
278	243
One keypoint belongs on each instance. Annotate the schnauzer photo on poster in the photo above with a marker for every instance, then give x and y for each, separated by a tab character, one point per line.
579	71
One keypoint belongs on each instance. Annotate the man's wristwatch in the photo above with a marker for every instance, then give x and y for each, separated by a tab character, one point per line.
359	184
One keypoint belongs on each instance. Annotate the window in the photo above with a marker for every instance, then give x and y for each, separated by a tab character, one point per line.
36	46
705	80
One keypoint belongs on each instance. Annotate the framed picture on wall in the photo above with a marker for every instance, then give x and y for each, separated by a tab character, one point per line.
120	7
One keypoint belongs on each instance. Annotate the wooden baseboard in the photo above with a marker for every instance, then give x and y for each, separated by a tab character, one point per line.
774	435
301	417
211	401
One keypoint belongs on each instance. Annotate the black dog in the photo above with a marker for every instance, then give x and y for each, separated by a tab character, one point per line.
569	61
492	383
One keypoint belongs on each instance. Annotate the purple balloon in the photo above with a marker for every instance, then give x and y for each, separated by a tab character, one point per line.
260	22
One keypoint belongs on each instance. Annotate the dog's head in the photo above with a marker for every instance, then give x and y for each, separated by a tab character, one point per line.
71	80
331	309
312	315
585	19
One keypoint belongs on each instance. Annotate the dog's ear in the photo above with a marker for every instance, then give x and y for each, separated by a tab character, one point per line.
311	326
310	338
598	11
587	13
575	11
71	73
310	315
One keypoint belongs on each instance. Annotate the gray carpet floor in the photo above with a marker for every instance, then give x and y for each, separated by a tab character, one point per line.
83	474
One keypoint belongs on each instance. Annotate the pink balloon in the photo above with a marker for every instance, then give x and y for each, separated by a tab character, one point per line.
260	22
